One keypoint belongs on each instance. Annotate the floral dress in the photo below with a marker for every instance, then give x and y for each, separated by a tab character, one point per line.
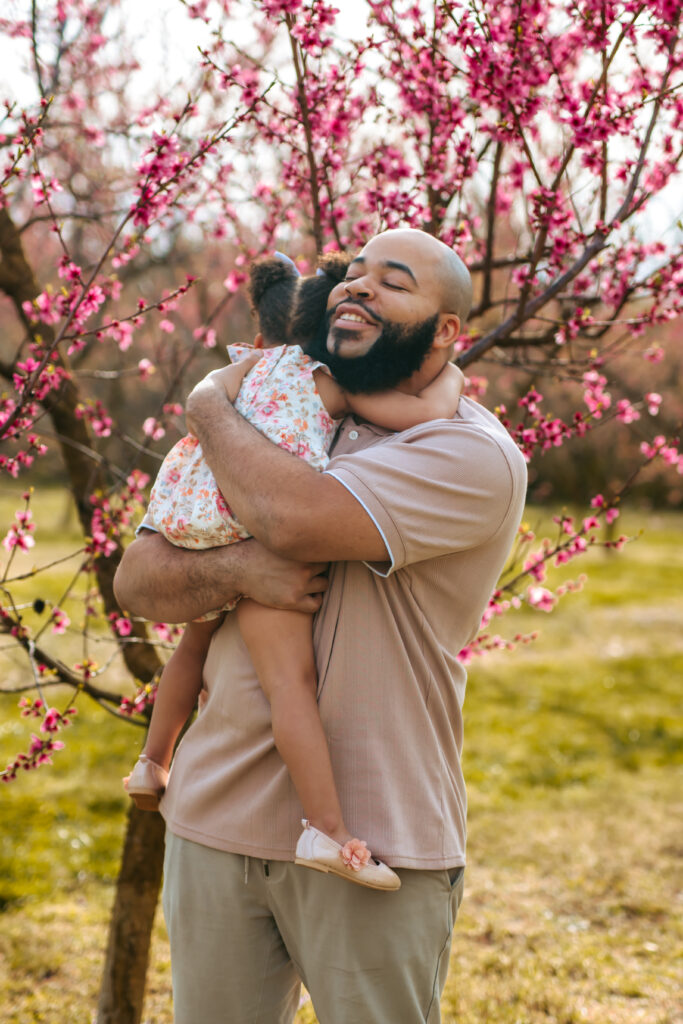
279	397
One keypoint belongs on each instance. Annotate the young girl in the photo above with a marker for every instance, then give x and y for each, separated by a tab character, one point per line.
295	402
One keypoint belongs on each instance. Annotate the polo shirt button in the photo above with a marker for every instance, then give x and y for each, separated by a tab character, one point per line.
353	434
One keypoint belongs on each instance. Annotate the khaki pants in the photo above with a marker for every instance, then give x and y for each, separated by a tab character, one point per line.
245	932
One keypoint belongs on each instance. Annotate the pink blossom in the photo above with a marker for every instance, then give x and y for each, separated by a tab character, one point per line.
535	566
69	270
626	412
654	354
234	280
31	708
20	533
42	189
152	428
595	396
146	368
60	620
120	624
654	401
143	699
52	721
164	632
541	598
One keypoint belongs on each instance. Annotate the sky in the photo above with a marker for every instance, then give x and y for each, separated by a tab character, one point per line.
167	42
167	39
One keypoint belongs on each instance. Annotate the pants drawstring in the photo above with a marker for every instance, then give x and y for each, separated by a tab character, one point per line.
246	870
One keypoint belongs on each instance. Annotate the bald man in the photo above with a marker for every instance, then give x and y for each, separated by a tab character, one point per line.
416	527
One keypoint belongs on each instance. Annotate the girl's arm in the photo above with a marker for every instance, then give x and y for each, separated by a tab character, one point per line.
399	411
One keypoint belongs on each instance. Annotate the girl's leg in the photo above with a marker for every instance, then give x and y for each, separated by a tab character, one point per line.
280	644
179	687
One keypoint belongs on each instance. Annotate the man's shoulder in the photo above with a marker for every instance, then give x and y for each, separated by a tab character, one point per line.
471	449
473	428
473	417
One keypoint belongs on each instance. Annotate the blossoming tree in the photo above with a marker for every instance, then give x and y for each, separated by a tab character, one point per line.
542	141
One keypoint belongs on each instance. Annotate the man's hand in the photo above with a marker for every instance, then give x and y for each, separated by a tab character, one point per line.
281	583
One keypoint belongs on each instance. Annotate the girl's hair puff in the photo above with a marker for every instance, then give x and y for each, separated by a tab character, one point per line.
310	306
272	286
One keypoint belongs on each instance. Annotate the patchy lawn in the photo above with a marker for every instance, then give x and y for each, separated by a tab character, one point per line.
571	914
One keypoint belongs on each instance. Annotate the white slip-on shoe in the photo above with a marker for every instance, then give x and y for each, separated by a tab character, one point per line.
318	851
146	783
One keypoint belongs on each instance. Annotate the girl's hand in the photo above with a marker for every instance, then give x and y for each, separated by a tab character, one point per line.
230	377
223	383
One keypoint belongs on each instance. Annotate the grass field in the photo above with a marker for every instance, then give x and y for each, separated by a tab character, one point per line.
572	908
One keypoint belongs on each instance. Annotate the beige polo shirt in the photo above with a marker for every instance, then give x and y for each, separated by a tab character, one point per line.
447	497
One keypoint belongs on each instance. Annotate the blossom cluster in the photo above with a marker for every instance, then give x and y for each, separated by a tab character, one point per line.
112	515
42	747
20	533
528	136
141	702
525	582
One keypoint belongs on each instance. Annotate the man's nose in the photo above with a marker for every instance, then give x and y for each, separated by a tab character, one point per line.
359	288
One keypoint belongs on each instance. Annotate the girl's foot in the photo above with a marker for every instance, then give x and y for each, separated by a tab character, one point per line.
146	783
352	861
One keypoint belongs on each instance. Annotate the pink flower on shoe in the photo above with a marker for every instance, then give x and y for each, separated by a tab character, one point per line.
355	854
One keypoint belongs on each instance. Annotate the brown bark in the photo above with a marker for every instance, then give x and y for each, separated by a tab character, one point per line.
123	978
132	918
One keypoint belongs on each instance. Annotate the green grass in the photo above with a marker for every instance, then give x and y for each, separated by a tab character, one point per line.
62	826
572	753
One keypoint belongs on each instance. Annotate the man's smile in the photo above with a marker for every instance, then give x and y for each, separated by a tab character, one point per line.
348	313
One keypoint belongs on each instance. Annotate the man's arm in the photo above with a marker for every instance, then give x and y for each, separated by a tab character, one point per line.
289	507
165	583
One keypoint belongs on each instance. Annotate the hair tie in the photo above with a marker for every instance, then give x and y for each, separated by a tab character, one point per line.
287	259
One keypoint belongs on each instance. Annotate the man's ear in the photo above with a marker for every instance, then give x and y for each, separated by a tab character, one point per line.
258	340
448	331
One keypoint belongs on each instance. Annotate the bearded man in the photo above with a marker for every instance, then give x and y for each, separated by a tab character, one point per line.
415	528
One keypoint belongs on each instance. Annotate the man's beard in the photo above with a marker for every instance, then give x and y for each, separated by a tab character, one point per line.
398	353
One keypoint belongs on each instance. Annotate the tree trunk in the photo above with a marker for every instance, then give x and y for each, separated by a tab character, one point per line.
137	892
130	926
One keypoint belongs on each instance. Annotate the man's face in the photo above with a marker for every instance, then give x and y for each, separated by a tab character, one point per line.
383	318
397	353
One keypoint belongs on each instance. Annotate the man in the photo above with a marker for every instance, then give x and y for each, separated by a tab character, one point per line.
416	527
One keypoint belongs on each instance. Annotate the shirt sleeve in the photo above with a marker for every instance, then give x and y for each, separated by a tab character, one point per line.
442	487
146	524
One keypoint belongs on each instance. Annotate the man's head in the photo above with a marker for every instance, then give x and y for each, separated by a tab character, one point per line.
395	317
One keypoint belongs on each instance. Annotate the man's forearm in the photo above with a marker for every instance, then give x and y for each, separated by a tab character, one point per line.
165	583
290	508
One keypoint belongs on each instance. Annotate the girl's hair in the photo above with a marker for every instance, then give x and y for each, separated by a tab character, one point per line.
310	305
290	309
272	286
